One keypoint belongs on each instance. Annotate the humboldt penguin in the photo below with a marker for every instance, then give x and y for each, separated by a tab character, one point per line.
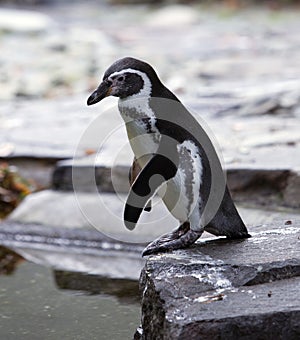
174	158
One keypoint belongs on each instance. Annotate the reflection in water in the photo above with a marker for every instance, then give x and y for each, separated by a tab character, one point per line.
33	308
126	291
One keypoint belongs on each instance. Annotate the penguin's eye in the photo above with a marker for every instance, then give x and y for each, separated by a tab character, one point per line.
120	78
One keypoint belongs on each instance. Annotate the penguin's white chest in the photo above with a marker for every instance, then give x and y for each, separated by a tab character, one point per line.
143	143
142	133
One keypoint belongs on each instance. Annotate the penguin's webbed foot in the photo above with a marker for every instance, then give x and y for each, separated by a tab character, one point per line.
180	238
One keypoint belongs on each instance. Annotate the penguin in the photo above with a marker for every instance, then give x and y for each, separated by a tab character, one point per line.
174	158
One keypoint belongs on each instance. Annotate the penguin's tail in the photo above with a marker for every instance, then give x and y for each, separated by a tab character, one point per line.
231	230
239	235
227	221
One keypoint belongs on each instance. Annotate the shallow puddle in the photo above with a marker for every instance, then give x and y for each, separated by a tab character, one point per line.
33	307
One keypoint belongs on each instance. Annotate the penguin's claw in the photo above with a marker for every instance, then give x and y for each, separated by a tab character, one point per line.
164	243
158	245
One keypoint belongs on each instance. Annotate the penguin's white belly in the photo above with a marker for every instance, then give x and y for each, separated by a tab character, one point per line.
182	193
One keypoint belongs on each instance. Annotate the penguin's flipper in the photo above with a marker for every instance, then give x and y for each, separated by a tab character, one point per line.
148	207
135	169
159	169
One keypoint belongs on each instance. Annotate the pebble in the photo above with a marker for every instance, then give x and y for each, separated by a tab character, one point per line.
173	15
6	149
22	21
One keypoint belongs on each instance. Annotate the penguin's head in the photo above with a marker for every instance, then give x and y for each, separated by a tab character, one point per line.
125	78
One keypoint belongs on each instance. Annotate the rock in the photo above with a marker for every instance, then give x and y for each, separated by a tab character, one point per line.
35	85
38	171
237	314
261	106
91	211
23	132
61	61
248	146
75	250
172	15
267	186
133	2
21	21
225	289
292	193
87	172
264	187
6	149
290	100
48	208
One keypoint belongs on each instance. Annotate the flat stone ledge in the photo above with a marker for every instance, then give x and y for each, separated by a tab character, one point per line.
76	250
261	185
225	290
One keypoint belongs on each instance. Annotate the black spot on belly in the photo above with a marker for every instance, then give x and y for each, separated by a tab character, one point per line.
148	124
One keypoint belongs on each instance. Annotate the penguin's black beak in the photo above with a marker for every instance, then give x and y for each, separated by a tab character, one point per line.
103	90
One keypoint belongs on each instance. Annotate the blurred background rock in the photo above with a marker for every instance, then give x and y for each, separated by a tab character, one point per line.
239	60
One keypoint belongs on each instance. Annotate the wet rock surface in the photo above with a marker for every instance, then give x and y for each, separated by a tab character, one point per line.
80	250
100	212
220	289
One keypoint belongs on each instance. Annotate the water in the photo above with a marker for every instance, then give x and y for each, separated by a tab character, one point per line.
33	307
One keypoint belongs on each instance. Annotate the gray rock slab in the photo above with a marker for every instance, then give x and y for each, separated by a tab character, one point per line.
265	187
51	128
39	172
64	128
262	184
220	289
262	312
89	173
22	21
70	232
76	250
103	212
92	211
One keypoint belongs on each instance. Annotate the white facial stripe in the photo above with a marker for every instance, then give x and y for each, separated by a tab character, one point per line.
139	101
146	90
